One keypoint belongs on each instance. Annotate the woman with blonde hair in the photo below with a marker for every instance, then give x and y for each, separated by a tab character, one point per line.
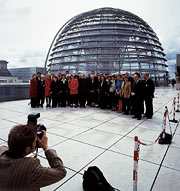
126	93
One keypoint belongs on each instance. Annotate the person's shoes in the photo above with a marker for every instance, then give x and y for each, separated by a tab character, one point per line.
114	108
126	113
93	104
71	105
139	118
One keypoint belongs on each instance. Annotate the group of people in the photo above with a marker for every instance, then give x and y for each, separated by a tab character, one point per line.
121	93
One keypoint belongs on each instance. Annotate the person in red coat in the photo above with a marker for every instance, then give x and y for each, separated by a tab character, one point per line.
47	90
33	91
73	86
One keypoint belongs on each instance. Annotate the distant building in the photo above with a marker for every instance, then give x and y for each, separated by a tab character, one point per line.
3	69
12	86
25	74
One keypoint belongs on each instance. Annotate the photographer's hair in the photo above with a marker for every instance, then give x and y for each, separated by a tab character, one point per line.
20	137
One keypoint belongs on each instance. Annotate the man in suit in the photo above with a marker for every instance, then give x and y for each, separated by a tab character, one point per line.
138	96
38	78
19	172
149	95
82	90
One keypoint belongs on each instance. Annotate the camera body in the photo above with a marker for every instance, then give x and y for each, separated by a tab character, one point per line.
32	121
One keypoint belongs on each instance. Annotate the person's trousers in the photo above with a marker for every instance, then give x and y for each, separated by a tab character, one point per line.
74	99
33	102
54	100
48	100
126	105
149	106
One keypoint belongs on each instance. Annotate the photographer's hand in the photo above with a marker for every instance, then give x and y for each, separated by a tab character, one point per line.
43	143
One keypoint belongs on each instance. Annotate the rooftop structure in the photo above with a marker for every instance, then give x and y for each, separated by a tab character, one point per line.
108	40
3	69
95	137
25	74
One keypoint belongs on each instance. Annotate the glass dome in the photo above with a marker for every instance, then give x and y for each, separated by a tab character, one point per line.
107	40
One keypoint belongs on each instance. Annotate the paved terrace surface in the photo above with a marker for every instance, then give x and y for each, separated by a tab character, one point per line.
91	136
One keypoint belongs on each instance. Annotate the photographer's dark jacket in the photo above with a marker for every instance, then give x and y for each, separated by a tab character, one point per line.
27	174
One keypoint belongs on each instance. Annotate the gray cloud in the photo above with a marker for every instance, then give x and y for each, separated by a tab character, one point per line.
29	58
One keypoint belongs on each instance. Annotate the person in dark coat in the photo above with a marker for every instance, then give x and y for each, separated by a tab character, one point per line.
33	91
42	91
82	90
149	95
98	90
103	93
59	76
88	97
108	97
64	90
92	87
55	88
38	78
173	82
138	95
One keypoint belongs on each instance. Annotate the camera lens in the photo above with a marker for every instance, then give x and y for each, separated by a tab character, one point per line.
40	128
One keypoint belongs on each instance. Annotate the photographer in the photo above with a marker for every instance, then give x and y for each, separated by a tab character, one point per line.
19	172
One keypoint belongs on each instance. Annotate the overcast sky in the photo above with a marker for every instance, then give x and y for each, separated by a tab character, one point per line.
28	26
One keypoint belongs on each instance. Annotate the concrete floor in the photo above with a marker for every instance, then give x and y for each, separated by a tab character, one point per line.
91	136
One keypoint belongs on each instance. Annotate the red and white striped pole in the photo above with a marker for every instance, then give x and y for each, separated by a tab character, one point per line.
136	157
164	122
174	111
178	104
165	138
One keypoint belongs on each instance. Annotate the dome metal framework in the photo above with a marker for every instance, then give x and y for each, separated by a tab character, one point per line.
107	40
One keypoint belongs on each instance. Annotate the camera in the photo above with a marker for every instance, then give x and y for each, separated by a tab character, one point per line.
32	121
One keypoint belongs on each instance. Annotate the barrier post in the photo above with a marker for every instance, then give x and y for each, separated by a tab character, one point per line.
164	122
136	157
174	111
165	138
178	104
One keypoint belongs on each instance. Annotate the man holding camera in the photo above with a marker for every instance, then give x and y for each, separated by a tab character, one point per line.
18	172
